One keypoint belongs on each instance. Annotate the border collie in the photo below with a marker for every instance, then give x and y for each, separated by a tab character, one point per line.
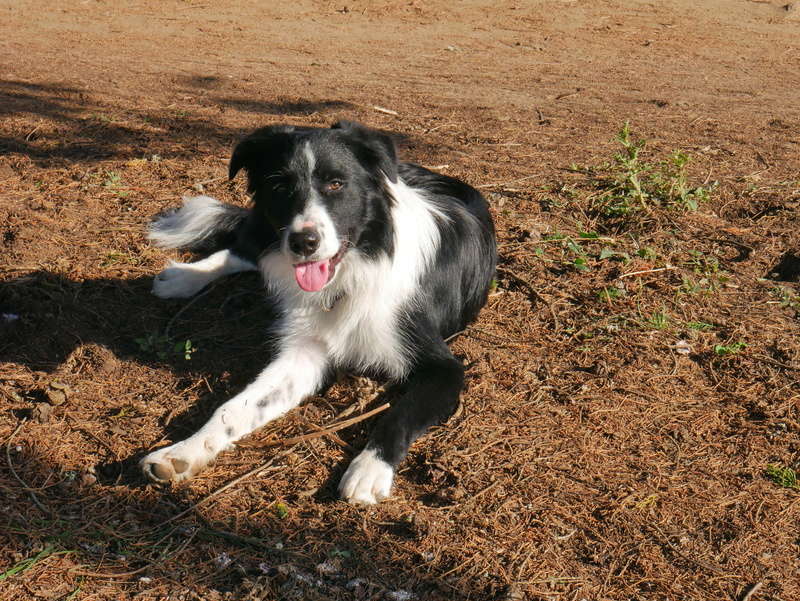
373	264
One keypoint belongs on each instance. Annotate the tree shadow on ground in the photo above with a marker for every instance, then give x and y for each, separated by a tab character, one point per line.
72	125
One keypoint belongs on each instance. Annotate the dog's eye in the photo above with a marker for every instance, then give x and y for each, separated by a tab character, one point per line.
334	185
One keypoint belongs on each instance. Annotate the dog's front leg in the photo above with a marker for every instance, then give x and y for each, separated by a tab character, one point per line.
430	397
297	372
182	280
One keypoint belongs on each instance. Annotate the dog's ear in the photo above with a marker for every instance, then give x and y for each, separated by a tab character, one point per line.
376	148
258	146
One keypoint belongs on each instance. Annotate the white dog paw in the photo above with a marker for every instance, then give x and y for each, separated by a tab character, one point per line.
368	479
179	280
174	463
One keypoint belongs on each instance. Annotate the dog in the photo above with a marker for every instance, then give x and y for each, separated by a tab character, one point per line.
373	263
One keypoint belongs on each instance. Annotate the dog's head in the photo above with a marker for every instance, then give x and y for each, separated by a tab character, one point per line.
322	190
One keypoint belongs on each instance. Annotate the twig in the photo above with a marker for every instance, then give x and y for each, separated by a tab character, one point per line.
632	273
769	361
452	336
568	94
14	472
199	185
335	428
292	441
380	109
751	591
513	181
225	487
183	309
522	281
33	131
703	564
117	575
149	565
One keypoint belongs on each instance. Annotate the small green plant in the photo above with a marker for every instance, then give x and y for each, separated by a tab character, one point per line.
783	476
629	184
724	350
281	510
162	347
116	257
185	348
610	293
659	320
610	253
786	297
647	253
580	264
26	564
113	182
699	325
708	278
702	264
689	286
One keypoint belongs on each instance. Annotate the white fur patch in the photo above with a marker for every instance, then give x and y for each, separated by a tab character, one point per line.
366	295
367	480
188	224
182	280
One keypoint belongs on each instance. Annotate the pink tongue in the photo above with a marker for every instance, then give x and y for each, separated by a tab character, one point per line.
312	276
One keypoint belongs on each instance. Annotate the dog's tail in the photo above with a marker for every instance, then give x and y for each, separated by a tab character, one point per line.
201	223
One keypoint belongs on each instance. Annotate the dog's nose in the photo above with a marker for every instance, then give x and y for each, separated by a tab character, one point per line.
305	242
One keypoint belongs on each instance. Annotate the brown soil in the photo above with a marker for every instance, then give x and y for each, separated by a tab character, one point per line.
606	448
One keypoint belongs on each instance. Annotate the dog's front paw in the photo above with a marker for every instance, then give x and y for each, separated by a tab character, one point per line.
174	463
179	280
367	480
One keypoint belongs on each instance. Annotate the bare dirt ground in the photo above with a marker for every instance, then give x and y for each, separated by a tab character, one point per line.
631	381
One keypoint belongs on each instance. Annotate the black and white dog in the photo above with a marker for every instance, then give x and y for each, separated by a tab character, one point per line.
373	263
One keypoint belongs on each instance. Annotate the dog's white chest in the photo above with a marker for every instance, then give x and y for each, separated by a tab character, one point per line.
361	334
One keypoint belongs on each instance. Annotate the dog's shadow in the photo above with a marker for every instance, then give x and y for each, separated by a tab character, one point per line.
46	318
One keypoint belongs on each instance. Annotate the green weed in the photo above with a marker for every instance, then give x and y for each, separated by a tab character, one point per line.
115	257
647	253
659	320
26	564
699	325
630	184
610	293
782	476
724	350
786	297
113	182
162	347
281	510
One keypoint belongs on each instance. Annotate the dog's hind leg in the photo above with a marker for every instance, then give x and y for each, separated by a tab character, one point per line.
430	397
299	371
182	280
